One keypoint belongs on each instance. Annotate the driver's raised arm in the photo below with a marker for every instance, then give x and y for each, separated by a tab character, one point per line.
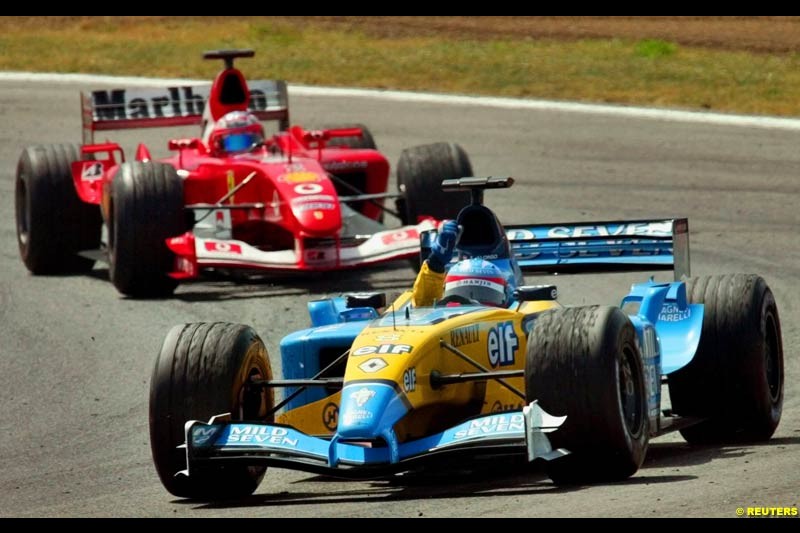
429	285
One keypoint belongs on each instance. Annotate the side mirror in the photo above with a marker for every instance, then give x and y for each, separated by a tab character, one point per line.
374	300
530	293
180	144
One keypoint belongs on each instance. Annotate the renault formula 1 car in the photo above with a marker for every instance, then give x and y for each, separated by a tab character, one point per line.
298	201
372	390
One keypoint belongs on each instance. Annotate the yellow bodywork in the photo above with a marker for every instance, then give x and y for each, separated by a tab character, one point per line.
407	354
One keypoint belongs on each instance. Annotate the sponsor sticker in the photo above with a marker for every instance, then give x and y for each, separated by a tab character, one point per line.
356	415
92	171
223	247
465	335
372	365
308	188
502	344
330	416
362	396
309	206
343	165
260	435
493	425
385	349
410	380
400	236
671	313
299	177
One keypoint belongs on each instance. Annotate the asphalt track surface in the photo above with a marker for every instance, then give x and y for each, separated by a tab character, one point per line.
76	357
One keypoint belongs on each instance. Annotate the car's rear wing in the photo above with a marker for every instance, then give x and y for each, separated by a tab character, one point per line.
603	246
172	106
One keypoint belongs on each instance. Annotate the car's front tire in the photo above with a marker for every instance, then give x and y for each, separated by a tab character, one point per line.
145	202
584	362
203	370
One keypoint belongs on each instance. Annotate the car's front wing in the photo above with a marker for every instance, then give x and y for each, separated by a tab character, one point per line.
512	432
194	252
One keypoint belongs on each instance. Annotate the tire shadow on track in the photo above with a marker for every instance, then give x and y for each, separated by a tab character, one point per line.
509	480
681	454
495	479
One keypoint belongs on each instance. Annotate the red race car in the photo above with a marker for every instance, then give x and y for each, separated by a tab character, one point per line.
298	200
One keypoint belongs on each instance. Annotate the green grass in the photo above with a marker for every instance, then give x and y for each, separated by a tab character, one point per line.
641	72
655	48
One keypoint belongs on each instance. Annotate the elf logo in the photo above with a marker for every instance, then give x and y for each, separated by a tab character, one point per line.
385	349
502	344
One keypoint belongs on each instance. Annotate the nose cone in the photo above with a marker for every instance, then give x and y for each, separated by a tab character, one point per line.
315	206
368	409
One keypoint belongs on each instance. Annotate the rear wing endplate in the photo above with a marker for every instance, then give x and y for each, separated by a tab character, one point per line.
603	246
172	106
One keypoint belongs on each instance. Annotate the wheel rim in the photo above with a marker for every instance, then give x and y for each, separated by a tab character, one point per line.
252	401
772	361
21	199
631	391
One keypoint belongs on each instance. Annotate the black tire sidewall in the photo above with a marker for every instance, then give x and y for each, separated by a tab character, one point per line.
726	382
572	369
145	202
59	224
420	172
194	378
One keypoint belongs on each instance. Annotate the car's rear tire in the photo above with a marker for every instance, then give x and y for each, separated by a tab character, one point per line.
145	208
584	363
366	141
420	172
735	380
53	223
202	371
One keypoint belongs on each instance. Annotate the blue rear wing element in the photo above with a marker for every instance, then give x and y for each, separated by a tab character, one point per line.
603	246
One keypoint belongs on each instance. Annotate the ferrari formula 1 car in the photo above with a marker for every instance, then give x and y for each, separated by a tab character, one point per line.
373	390
297	201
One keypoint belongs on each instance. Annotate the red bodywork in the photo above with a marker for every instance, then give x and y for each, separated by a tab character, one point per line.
287	216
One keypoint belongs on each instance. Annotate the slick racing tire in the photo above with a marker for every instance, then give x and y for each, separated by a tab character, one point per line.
204	370
583	362
145	204
366	141
53	223
420	172
735	380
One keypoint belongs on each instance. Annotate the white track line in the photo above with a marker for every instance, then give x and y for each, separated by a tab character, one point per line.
444	99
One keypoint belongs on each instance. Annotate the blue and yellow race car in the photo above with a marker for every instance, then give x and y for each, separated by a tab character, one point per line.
372	389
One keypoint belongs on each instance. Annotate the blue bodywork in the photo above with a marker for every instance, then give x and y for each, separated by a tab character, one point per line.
204	440
668	330
334	328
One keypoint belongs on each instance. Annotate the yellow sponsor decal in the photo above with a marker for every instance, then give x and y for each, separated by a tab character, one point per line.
299	177
231	183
